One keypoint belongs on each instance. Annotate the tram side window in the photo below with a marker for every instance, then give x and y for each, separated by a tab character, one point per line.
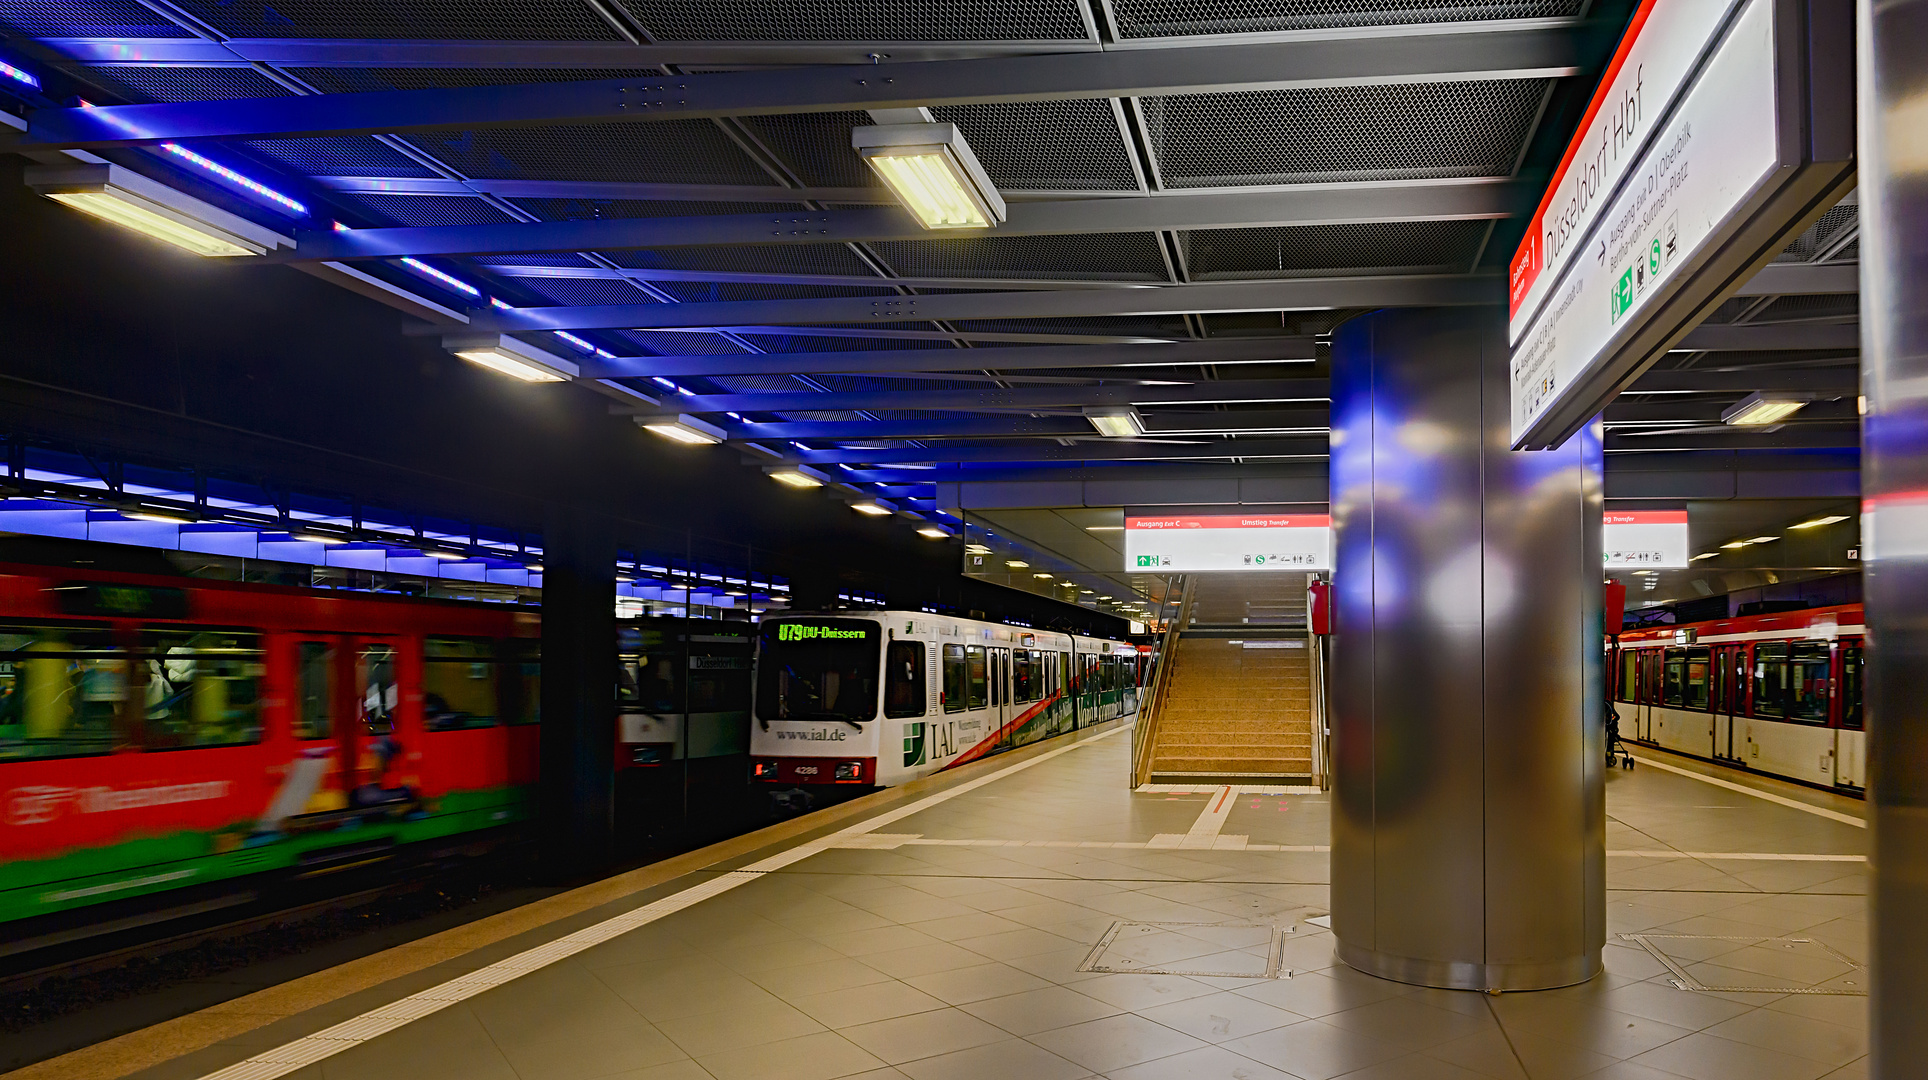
1807	683
1851	681
1629	674
904	679
1021	669
955	676
1770	679
979	681
525	660
200	689
314	690
461	683
1696	685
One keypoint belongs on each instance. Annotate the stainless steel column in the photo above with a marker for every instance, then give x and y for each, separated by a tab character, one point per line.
1893	107
1468	833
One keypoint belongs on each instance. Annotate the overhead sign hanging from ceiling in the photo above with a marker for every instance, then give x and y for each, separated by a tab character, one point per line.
1644	539
1210	543
1721	129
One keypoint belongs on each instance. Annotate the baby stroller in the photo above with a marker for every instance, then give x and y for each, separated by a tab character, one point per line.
1617	752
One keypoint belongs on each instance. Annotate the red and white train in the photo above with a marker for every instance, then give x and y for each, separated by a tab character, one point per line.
1777	693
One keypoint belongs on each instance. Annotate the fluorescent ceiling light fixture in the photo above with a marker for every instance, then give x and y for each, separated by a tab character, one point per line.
1016	564
932	171
253	187
1761	409
165	519
534	568
1045	576
18	75
451	556
976	549
686	429
1104	528
1116	423
432	273
873	508
1733	544
315	538
1815	523
1704	555
933	532
1763	539
796	476
133	201
505	355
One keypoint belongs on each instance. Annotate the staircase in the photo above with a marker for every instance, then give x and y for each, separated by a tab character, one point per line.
1238	707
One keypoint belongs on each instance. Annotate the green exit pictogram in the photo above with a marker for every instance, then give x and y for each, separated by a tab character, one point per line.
1147	560
1623	294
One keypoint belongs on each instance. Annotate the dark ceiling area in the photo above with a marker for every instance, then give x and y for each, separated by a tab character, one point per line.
664	194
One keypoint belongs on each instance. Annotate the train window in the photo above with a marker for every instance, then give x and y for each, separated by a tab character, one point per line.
1807	682
199	689
1851	682
974	657
904	679
1696	684
62	691
1770	679
823	669
1021	669
1629	674
314	690
1000	660
461	683
954	678
527	664
380	694
1675	680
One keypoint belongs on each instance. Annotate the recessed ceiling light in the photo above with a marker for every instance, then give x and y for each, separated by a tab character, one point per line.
1104	528
1815	523
1016	564
1762	409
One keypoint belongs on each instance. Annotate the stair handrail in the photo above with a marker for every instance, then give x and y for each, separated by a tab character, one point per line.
1144	735
1321	727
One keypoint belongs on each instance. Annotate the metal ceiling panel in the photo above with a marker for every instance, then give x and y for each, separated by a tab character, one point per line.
140	82
815	146
1323	134
1098	256
575	291
674	152
800	343
1405	246
474	20
659	342
430	209
1176	18
784	259
85	18
360	80
352	155
697	292
592	209
859	20
1086	149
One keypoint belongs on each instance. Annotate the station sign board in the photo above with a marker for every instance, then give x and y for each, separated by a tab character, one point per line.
1215	543
1644	539
1710	144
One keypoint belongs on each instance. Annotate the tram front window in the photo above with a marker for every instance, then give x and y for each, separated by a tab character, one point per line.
818	669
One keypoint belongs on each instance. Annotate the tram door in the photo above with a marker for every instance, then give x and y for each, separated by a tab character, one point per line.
1646	693
1000	696
1728	699
346	699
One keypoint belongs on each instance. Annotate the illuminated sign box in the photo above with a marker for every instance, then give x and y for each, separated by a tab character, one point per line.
1644	539
1721	131
1213	543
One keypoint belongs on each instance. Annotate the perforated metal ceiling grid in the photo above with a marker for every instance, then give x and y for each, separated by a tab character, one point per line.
697	292
1099	256
1086	151
1221	254
667	152
773	259
85	18
471	20
347	80
1157	326
139	83
532	260
1404	132
792	343
1172	18
419	210
596	209
577	292
661	343
362	155
859	20
1807	246
816	146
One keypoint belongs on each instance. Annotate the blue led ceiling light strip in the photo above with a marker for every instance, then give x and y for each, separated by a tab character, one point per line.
432	273
251	186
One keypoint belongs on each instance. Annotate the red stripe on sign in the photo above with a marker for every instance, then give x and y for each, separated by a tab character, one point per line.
1230	521
1647	517
1528	258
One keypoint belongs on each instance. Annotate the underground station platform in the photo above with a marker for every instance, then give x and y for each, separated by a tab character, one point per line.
1028	916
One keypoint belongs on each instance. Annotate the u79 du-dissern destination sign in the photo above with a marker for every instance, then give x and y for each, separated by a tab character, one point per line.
1690	172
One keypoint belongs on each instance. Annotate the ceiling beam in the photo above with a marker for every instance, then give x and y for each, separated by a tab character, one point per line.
1093	450
1211	298
1770	337
872	281
1417	200
1447	56
1792	437
1021	398
1840	378
1804	279
518	55
597	190
1216	351
973	427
